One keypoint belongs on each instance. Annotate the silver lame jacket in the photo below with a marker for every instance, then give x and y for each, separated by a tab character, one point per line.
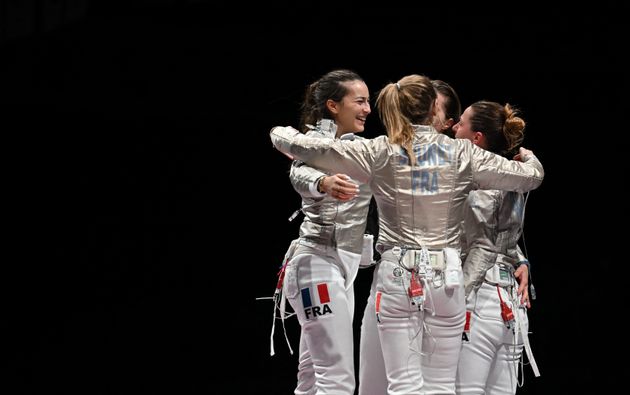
419	206
492	227
328	221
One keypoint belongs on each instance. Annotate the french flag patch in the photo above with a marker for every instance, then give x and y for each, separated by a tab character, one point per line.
316	303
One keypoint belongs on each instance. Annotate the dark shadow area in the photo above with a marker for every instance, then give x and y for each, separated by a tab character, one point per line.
149	209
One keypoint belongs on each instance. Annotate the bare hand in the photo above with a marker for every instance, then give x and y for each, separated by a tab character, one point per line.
523	154
522	276
339	187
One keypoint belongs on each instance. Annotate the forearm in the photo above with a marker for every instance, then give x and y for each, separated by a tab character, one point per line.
492	171
305	179
331	156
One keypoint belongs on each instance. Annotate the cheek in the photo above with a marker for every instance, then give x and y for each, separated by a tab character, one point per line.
460	133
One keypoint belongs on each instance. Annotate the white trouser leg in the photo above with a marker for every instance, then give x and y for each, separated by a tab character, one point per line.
315	288
503	377
489	361
372	377
306	373
442	339
400	331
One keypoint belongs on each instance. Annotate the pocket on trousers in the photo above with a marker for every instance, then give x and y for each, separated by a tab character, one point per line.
291	288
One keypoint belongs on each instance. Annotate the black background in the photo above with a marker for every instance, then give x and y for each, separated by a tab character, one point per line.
148	209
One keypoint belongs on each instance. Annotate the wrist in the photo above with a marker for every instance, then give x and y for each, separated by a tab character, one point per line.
320	184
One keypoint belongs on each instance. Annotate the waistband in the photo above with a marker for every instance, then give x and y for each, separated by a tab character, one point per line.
412	257
319	245
501	275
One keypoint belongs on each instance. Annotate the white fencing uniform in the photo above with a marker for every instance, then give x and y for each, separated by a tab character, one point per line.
420	209
323	263
497	325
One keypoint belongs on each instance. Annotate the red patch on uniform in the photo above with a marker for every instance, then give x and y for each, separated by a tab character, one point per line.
467	325
322	290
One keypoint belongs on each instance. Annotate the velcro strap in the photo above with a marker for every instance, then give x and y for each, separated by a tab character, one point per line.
500	275
436	259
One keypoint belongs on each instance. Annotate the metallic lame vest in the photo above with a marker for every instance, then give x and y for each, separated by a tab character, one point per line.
328	221
420	205
492	227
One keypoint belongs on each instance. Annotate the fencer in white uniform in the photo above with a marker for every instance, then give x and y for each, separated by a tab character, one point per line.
435	352
322	263
420	180
495	269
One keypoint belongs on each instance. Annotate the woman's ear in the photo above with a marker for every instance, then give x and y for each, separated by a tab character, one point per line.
448	124
332	106
479	139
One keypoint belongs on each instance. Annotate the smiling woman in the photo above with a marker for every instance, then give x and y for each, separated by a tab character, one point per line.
322	263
